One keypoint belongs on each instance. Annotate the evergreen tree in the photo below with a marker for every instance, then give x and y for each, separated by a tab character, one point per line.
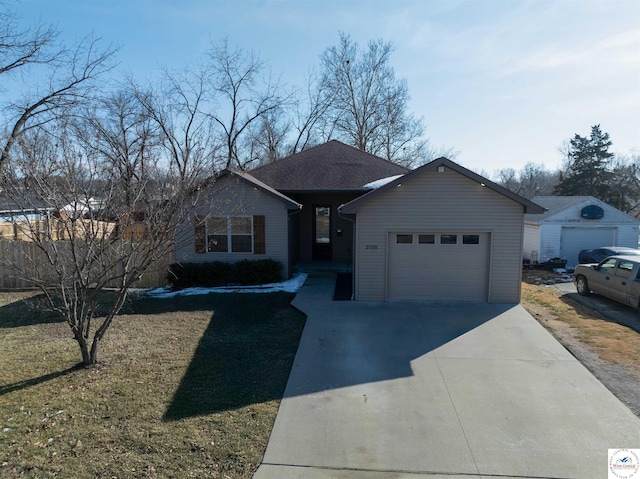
588	166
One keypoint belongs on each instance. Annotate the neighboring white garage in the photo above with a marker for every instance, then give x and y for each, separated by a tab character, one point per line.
439	233
574	223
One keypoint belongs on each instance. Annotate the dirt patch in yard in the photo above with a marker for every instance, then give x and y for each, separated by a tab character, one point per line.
541	276
611	351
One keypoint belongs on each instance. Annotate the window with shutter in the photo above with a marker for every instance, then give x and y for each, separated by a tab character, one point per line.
201	234
238	234
258	235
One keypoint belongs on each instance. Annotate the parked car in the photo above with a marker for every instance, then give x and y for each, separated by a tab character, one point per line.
598	254
615	277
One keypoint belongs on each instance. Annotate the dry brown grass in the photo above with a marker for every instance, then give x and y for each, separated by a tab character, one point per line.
187	387
567	320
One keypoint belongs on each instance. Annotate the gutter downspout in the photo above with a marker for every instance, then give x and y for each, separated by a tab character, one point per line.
290	213
353	251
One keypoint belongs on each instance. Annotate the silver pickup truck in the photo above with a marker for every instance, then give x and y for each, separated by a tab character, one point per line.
615	277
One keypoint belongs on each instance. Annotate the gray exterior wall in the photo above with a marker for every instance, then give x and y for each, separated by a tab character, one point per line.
437	201
230	196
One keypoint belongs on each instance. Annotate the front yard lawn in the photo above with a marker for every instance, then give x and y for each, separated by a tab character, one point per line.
186	387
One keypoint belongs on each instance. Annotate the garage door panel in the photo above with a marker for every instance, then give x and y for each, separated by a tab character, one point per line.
575	239
438	272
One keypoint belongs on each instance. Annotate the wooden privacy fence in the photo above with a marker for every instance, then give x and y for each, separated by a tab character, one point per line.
16	256
58	230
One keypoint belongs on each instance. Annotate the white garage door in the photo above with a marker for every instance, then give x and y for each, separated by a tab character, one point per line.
438	266
575	239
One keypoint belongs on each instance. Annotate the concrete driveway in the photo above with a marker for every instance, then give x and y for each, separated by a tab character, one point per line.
409	390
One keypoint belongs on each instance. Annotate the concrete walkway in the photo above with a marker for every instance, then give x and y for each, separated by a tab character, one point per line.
410	390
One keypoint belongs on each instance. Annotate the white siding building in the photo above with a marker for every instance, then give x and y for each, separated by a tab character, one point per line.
574	223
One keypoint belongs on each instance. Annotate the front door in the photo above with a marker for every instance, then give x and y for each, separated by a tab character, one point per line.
322	232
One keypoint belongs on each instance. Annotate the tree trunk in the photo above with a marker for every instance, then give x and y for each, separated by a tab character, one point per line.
93	357
87	357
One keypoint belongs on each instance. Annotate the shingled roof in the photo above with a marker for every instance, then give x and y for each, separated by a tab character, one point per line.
556	204
332	166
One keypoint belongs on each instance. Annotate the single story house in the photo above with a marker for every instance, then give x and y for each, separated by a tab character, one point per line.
574	223
439	232
23	209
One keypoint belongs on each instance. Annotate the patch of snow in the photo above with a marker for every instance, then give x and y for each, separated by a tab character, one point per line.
291	286
381	182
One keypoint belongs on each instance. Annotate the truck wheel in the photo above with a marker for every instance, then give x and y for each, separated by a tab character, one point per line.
582	285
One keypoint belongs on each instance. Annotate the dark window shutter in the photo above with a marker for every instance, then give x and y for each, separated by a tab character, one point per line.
258	235
201	234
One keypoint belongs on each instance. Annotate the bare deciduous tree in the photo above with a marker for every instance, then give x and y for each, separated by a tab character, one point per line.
265	142
125	139
68	73
369	106
179	109
242	97
625	184
310	114
530	181
98	216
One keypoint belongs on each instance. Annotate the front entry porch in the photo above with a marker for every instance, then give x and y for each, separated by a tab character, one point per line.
319	234
323	266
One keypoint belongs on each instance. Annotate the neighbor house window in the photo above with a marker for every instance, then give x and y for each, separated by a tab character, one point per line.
237	234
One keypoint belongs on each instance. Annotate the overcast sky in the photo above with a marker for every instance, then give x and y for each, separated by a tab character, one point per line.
502	82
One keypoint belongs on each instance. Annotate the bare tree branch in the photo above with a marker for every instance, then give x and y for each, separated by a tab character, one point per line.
98	209
245	97
70	76
368	105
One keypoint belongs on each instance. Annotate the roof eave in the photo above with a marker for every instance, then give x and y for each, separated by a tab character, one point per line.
321	190
529	206
250	180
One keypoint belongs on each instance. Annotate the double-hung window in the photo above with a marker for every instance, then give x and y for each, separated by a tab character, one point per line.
229	235
235	234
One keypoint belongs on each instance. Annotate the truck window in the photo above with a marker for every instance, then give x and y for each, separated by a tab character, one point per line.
625	269
608	266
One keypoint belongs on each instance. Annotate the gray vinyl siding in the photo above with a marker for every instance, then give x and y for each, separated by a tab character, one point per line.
232	197
441	202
